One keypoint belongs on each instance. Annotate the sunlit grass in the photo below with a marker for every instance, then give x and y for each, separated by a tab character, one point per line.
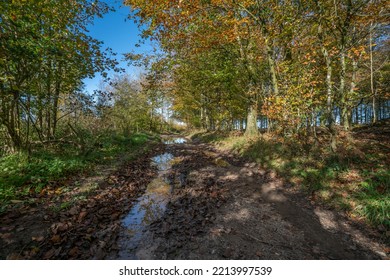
352	180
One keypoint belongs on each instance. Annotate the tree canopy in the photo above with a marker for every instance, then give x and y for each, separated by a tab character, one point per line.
296	63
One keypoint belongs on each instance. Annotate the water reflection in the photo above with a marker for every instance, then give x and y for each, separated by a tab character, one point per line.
175	140
162	162
149	207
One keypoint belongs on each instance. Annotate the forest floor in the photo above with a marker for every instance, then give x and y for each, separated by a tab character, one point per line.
184	200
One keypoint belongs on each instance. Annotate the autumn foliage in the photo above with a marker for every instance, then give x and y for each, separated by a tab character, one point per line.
299	64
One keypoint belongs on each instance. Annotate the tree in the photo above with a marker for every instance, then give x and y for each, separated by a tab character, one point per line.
45	53
291	60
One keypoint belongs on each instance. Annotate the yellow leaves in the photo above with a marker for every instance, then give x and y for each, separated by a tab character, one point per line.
20	1
299	93
184	24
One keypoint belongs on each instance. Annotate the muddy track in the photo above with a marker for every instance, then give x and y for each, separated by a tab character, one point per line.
81	223
220	207
183	200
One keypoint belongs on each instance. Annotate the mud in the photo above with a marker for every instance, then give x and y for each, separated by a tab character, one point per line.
184	200
223	208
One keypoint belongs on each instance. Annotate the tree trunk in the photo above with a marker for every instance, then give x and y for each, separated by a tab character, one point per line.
151	118
251	124
374	105
344	105
48	102
329	100
13	131
204	115
272	69
241	125
56	97
346	112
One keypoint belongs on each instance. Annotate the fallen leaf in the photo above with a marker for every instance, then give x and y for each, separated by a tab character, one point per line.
38	238
82	215
59	227
49	254
56	239
74	252
74	210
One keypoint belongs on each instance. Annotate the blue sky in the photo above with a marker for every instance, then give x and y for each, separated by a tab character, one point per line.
119	34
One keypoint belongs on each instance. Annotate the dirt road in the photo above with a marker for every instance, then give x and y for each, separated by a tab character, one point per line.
214	206
184	200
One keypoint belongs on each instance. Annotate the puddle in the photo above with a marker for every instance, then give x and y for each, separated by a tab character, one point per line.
148	208
163	162
175	140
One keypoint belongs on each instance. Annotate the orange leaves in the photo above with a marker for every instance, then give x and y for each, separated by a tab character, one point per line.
288	51
358	52
185	24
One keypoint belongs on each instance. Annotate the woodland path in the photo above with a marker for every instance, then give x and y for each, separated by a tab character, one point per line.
220	207
185	200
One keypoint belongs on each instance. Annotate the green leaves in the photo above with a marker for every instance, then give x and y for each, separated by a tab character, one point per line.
45	53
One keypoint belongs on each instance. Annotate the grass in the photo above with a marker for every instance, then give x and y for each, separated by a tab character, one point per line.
209	137
355	180
21	174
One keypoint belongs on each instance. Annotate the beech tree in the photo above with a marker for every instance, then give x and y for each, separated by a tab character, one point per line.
290	61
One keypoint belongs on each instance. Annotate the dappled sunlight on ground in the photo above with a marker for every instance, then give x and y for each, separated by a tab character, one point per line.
241	211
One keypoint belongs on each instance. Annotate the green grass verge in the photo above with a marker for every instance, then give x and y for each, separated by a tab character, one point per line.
19	173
